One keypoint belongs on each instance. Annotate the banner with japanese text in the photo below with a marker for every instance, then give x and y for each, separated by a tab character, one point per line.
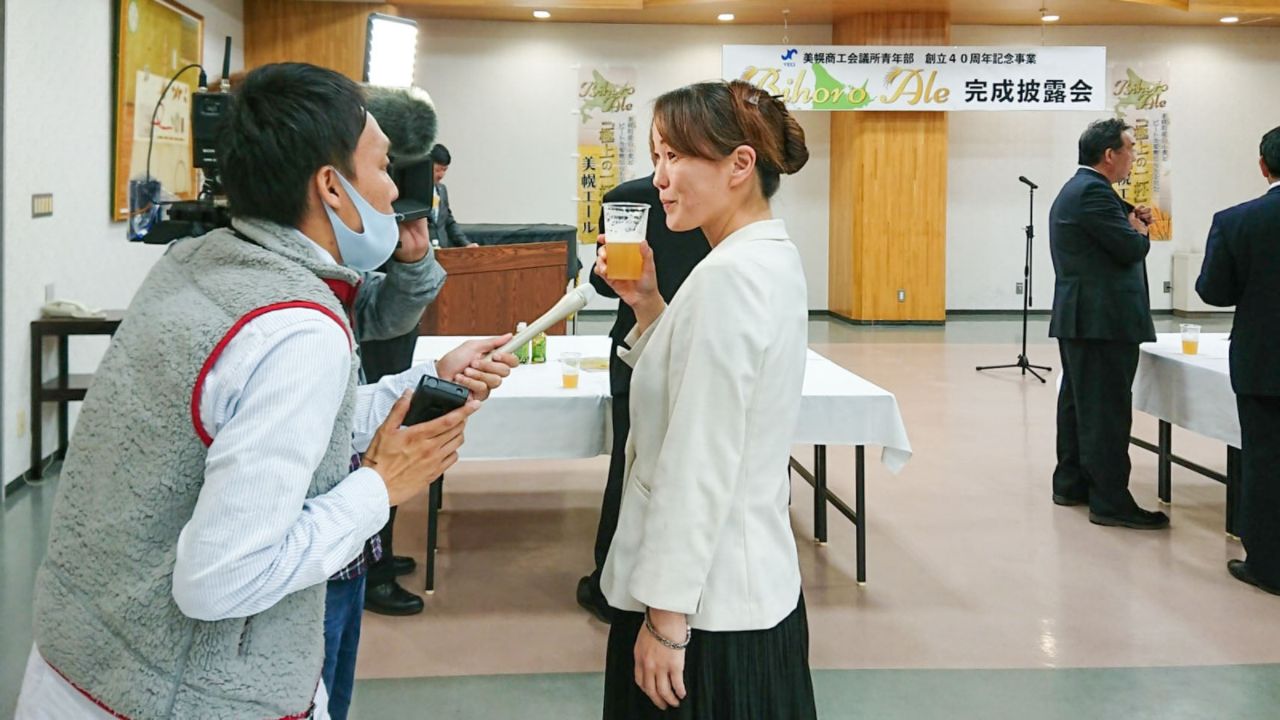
606	140
938	78
1139	95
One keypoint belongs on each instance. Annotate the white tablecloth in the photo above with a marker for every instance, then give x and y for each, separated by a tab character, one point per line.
533	417
1190	391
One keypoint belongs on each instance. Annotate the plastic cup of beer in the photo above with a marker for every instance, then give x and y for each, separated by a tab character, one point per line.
625	225
571	368
1190	338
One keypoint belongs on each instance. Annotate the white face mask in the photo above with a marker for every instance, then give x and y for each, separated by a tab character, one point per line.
364	251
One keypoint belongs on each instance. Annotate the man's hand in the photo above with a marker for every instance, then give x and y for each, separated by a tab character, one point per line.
415	241
659	670
1137	222
1144	214
466	365
408	459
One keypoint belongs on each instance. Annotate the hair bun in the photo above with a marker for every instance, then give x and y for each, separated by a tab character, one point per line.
795	152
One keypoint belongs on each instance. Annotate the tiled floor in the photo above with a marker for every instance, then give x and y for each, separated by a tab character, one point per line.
984	599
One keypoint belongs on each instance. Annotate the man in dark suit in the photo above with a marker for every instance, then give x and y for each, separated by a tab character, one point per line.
1101	313
1242	268
674	255
445	231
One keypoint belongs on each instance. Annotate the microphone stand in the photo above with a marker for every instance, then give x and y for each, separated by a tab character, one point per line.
1023	363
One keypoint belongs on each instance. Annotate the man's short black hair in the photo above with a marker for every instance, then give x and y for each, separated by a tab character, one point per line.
1270	152
440	155
1099	137
288	121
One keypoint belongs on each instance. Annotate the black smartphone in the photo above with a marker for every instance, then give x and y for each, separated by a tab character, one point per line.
432	398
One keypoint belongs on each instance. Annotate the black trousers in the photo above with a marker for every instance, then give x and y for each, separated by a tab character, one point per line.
1260	484
611	505
379	358
1095	417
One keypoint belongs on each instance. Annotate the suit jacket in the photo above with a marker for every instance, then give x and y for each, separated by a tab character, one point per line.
443	228
674	255
1100	292
704	527
1242	268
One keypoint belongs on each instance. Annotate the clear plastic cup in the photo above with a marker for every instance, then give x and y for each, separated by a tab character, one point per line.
571	368
625	225
1190	338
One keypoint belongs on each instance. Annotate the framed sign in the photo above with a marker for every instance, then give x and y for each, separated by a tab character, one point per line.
154	40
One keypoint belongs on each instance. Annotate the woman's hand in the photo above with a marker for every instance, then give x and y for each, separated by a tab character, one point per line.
642	295
659	669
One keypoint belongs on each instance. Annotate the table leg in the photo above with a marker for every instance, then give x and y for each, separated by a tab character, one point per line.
433	526
1164	463
36	427
820	493
64	380
1233	490
860	509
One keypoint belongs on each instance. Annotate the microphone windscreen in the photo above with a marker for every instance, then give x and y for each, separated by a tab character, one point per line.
408	117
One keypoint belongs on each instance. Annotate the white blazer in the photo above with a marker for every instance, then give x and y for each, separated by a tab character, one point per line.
704	528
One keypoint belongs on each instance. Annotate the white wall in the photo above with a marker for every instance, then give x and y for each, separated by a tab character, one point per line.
58	102
504	92
1221	102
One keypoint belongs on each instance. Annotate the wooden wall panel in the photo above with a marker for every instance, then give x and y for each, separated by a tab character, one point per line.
889	192
328	34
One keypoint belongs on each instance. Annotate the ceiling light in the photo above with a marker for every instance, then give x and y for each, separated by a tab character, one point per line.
725	17
542	14
1049	18
1230	19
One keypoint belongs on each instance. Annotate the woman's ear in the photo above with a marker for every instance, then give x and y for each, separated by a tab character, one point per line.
743	166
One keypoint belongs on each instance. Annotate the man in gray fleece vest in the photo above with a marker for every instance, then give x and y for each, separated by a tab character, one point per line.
210	489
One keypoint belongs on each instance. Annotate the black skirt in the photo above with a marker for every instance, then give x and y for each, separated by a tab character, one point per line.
748	675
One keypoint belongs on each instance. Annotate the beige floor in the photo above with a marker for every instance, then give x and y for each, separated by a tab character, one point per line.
970	564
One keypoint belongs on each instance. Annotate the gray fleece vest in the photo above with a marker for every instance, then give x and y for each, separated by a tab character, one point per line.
104	611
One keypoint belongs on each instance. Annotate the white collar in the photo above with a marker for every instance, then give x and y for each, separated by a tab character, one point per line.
1274	185
771	229
1095	172
321	253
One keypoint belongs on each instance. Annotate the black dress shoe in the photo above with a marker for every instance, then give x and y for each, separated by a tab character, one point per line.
389	598
1138	519
1069	500
592	600
401	565
1241	571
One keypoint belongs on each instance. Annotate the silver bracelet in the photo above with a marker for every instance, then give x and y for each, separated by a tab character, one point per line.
648	625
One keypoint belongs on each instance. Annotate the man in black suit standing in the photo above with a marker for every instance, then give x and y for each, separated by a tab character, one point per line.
674	255
1101	313
1242	268
445	231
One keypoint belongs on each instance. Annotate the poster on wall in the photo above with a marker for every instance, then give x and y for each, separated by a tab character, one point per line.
1139	95
606	140
940	78
154	40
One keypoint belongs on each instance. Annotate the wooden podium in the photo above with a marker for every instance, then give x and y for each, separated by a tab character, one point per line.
490	289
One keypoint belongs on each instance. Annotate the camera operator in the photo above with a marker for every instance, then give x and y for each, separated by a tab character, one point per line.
210	487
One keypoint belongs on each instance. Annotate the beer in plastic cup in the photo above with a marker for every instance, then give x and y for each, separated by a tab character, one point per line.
571	364
625	225
1190	338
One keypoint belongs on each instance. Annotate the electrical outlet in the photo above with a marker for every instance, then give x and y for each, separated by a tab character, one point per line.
21	425
1168	286
902	295
49	293
42	205
1017	288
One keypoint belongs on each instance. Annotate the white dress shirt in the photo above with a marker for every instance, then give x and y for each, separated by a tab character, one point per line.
269	402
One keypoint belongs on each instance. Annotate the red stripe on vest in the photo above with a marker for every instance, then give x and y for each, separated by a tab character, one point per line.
222	345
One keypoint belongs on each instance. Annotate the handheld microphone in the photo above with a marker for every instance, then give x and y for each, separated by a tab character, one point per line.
1023	179
573	301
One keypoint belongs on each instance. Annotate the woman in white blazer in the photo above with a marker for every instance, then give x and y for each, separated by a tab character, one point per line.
703	567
